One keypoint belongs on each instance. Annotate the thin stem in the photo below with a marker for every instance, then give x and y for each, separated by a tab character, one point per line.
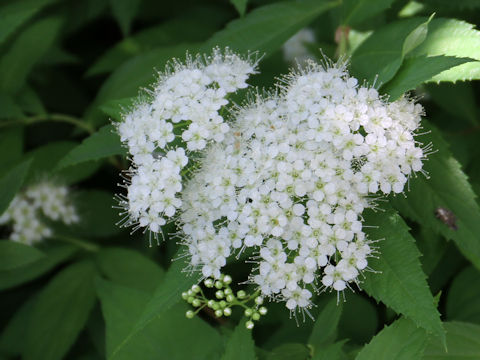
86	245
51	117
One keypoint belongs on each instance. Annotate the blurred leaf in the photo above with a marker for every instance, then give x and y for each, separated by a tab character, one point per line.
169	336
11	182
124	12
416	37
204	19
463	296
11	147
453	38
359	319
402	340
289	352
12	339
15	13
102	144
27	49
331	352
401	283
240	5
13	255
60	313
9	108
432	246
116	108
417	70
30	102
325	327
167	294
240	345
463	342
382	52
447	187
130	268
45	159
53	256
356	11
267	27
457	99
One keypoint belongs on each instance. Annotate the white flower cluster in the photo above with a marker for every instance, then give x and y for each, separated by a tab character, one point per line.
292	178
295	49
183	108
27	208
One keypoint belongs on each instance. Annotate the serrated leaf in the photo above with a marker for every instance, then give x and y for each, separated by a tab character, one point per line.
382	52
170	336
130	268
355	12
20	275
267	27
402	340
240	345
325	327
102	144
11	182
417	70
13	255
167	294
124	12
416	37
60	313
240	5
401	283
453	38
447	187
463	342
27	49
463	295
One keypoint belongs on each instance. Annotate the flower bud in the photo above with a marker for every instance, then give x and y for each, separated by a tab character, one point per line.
227	311
256	316
227	279
263	310
219	294
241	294
249	325
208	283
189	314
218	313
248	312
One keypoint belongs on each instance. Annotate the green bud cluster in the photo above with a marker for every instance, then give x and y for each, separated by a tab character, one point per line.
225	299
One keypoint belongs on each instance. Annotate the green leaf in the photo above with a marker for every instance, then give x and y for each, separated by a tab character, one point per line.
463	295
453	38
170	336
167	294
102	144
267	27
416	37
402	340
15	13
401	283
9	109
325	327
60	313
240	345
417	70
289	352
116	108
463	342
130	268
11	148
240	5
331	352
124	12
12	339
13	255
20	275
382	52
45	159
359	319
355	12
11	183
447	187
28	48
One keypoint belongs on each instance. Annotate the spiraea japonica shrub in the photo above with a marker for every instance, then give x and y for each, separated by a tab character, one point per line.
222	180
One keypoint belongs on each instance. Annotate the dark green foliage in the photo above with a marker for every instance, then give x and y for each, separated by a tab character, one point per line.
69	69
